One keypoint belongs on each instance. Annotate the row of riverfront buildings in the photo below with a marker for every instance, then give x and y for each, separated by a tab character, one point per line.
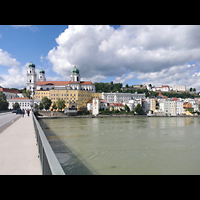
81	95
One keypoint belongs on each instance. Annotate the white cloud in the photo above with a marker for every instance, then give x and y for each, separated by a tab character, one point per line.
7	60
103	51
15	78
176	75
124	78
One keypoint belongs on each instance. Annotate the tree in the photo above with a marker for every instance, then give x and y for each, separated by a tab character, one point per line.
108	87
46	103
2	96
54	106
190	89
41	106
127	109
36	107
60	104
138	109
3	102
16	106
26	93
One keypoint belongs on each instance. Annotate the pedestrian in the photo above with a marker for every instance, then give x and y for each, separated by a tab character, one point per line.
23	112
28	112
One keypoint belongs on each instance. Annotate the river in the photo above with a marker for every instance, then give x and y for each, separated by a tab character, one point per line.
120	146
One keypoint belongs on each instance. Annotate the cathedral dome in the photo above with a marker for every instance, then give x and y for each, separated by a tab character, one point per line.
31	65
42	71
74	70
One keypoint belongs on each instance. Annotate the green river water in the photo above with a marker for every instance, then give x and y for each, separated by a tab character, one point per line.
120	146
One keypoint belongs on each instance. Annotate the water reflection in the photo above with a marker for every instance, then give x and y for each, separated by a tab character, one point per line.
126	145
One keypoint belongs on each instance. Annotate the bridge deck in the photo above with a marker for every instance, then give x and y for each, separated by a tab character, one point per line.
18	150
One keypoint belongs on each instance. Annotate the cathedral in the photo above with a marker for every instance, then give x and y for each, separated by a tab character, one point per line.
75	82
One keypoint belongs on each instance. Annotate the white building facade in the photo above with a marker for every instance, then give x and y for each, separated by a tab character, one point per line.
181	88
24	103
121	97
10	93
163	88
170	107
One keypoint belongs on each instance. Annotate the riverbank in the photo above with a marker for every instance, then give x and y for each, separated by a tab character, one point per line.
58	115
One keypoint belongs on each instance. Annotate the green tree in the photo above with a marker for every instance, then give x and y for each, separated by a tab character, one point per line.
138	109
54	106
16	106
36	106
46	103
108	87
26	93
3	102
127	109
41	106
2	96
60	104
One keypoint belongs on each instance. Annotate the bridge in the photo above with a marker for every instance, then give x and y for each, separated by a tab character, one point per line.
24	149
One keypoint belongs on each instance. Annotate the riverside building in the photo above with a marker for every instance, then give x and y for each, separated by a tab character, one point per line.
75	92
75	82
121	97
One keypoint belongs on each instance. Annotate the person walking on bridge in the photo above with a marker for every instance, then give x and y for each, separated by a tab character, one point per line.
23	112
28	112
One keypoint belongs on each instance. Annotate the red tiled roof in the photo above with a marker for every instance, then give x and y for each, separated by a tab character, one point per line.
117	104
9	90
103	101
52	82
175	99
86	83
74	82
21	98
63	83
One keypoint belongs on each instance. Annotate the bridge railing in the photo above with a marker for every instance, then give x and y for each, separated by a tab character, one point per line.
49	162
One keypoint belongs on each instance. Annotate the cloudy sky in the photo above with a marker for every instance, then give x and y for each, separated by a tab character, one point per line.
133	54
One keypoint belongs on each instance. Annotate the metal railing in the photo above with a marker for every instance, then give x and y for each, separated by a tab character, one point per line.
49	162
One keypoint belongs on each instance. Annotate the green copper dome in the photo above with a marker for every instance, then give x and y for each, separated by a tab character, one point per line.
42	71
31	65
74	70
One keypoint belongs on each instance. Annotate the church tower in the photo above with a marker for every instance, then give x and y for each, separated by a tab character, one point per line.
41	75
75	76
31	78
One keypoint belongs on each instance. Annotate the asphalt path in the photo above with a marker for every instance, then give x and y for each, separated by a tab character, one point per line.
6	119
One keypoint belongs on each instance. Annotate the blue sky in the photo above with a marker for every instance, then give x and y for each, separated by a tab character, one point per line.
28	44
128	54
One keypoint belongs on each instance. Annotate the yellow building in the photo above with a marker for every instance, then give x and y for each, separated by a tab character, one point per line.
39	94
97	95
79	97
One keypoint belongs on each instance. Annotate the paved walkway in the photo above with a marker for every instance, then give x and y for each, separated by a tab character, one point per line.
18	150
